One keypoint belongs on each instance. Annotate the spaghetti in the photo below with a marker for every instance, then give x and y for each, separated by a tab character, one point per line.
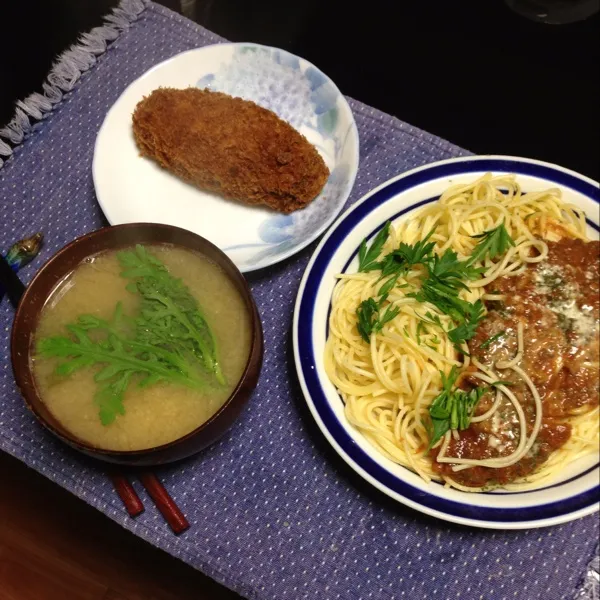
520	426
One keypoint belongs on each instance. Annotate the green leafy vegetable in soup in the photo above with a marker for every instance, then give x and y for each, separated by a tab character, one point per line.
170	336
156	342
169	316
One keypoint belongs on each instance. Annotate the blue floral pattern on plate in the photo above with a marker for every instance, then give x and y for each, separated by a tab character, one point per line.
306	98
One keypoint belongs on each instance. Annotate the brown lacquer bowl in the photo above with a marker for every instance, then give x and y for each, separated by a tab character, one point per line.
65	261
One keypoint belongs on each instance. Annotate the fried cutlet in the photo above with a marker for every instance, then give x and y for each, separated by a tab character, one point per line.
229	146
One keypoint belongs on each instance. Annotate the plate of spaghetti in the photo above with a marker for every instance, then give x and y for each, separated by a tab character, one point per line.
446	341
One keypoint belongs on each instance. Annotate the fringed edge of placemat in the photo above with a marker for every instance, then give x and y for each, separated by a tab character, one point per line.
65	73
589	586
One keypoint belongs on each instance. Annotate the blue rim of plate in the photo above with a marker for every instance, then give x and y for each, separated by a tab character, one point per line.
536	515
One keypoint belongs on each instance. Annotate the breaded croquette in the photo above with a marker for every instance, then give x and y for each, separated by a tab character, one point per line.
229	146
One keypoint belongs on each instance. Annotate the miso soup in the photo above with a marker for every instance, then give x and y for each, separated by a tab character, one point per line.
137	348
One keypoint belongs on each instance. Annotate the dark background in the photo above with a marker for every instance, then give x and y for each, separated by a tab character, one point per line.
471	71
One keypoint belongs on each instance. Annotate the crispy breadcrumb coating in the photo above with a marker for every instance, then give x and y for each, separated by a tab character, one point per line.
229	146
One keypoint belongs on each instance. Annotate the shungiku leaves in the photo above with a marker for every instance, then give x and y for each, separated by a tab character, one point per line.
444	277
169	340
452	408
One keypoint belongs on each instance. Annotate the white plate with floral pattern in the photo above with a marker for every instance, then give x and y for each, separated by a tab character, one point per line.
131	188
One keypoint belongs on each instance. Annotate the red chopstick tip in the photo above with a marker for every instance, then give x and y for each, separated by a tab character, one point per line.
165	504
180	528
128	495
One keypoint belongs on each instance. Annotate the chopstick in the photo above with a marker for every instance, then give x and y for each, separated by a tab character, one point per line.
128	495
10	281
157	491
19	254
163	501
161	498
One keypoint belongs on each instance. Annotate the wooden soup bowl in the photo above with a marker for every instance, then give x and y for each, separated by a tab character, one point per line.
63	263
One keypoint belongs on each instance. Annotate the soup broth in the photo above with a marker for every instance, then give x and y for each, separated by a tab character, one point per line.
162	411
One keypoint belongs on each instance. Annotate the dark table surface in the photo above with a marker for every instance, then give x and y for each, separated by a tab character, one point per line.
473	72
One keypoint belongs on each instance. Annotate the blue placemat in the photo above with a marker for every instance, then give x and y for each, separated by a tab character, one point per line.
274	512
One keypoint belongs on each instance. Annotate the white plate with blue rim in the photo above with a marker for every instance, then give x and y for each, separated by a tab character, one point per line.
131	188
574	494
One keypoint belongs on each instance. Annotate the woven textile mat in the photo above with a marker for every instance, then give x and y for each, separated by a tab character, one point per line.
275	513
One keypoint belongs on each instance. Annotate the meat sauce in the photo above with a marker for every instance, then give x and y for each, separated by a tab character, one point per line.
558	302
